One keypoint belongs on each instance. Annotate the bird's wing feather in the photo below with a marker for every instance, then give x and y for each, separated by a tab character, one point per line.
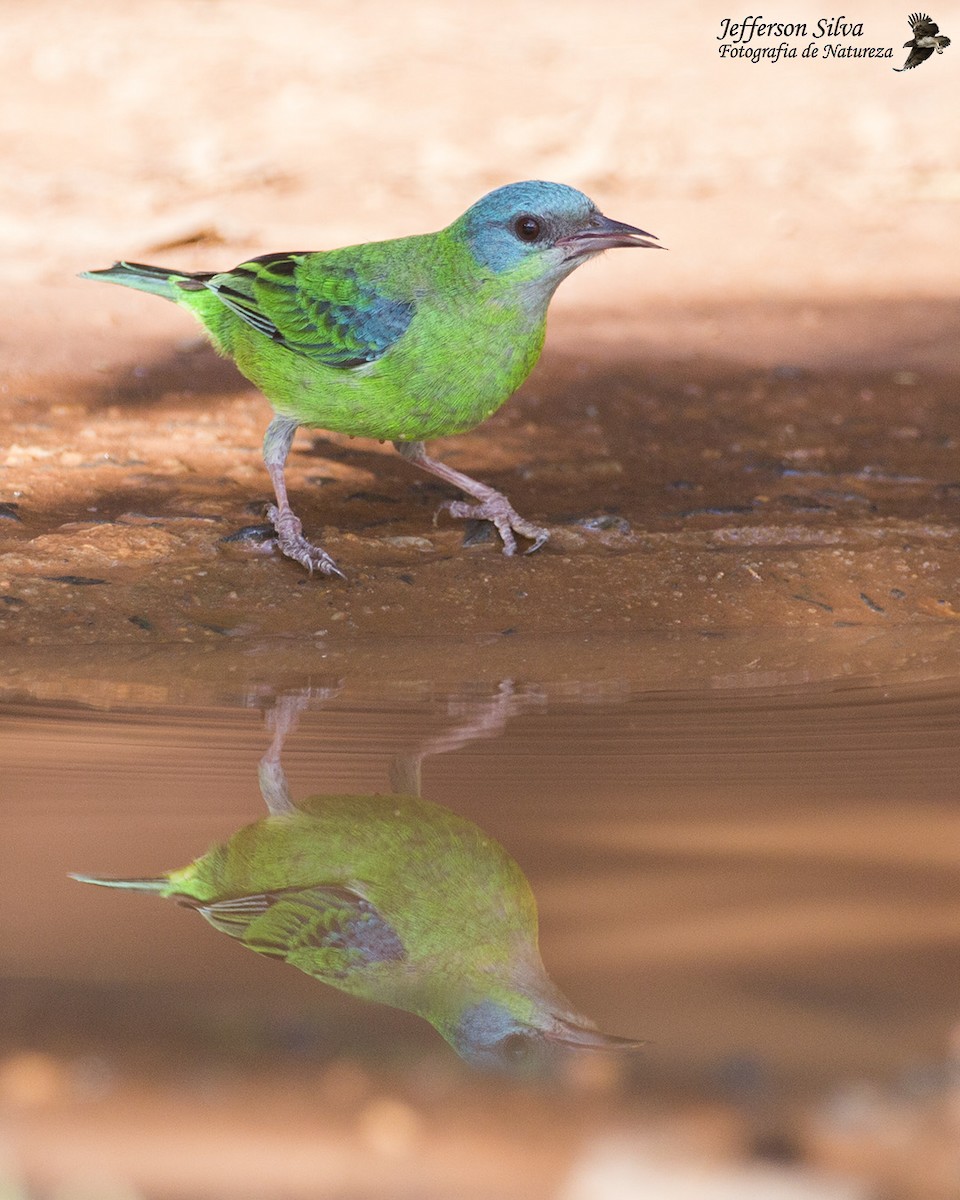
325	931
323	310
916	56
921	25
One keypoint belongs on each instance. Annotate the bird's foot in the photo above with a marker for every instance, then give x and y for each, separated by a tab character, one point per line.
498	509
294	545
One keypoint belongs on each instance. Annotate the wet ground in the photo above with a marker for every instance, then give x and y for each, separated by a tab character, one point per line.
696	495
713	719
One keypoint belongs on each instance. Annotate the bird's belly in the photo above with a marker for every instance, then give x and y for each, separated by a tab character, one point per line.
407	395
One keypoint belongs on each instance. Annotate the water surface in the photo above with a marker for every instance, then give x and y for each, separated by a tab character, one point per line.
759	881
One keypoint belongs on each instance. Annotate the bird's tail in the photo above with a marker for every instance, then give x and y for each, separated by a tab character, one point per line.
132	885
160	281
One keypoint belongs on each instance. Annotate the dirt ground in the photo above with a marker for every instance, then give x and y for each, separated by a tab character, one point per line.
757	429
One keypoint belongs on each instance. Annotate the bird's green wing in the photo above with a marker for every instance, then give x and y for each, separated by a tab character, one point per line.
325	931
315	306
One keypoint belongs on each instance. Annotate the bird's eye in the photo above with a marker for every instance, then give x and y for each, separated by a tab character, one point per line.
527	228
515	1047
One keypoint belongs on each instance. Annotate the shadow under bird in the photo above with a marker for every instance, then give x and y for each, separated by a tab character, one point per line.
403	340
926	39
396	900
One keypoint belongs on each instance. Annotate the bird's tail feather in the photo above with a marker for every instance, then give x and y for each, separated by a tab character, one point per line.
160	281
133	885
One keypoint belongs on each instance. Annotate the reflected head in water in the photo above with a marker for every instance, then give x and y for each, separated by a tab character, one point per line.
490	1034
392	899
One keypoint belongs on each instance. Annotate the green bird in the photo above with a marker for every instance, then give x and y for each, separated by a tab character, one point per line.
397	900
403	340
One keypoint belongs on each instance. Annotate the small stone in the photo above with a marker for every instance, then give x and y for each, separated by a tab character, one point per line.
477	533
409	543
251	533
606	522
76	580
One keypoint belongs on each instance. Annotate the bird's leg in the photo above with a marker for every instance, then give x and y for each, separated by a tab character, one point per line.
493	505
290	539
282	719
483	719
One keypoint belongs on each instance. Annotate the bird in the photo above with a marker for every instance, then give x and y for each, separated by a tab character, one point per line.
926	38
397	900
403	340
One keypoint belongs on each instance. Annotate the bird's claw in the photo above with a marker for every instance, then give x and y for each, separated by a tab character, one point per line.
294	545
505	518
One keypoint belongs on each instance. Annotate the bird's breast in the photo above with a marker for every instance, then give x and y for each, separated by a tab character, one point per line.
461	357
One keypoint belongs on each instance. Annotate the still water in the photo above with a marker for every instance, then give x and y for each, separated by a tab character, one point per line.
757	883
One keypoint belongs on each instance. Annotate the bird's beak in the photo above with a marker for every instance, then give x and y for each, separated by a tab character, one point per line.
572	1033
604	234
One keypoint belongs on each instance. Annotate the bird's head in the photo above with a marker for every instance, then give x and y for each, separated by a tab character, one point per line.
514	1035
541	230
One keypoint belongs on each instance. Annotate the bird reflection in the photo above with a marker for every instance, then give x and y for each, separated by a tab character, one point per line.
392	899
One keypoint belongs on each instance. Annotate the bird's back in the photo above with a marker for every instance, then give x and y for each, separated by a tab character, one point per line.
413	860
449	342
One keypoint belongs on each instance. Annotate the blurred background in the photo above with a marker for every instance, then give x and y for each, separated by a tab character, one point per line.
129	128
729	770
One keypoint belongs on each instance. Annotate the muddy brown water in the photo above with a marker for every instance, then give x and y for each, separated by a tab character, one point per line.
756	873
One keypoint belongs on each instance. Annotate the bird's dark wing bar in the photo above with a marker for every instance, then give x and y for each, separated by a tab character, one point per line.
916	56
322	311
244	306
322	930
230	916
